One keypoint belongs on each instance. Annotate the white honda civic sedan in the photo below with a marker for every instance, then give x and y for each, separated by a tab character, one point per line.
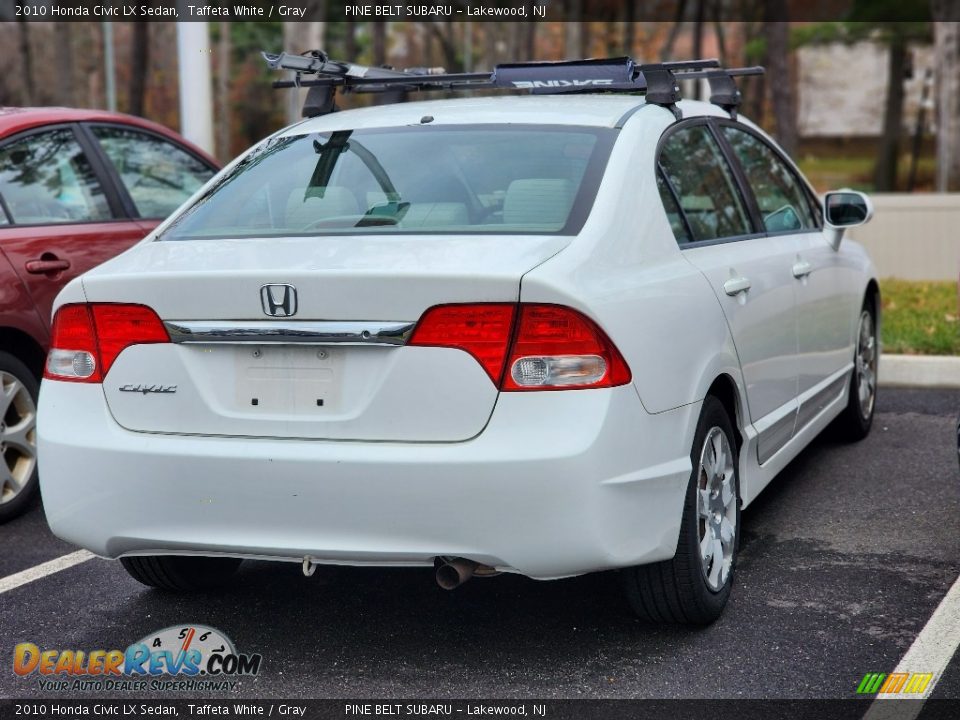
542	335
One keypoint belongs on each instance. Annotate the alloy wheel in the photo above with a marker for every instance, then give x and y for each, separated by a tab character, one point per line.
18	436
716	508
866	364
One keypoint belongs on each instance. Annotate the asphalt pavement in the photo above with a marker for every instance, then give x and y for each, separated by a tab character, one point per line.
843	559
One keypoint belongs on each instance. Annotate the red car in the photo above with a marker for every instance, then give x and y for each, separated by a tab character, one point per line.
76	188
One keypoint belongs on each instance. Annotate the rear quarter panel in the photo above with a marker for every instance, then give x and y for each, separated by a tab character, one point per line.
626	271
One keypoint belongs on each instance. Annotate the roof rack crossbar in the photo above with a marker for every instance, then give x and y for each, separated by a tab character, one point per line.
658	81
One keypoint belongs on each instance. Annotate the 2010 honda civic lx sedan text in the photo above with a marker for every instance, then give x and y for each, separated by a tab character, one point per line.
547	335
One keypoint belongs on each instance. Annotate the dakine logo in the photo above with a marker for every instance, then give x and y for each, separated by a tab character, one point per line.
528	84
279	300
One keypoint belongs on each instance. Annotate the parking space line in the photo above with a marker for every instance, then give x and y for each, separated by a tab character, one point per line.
43	569
930	652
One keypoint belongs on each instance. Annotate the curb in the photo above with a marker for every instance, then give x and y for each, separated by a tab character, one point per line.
942	371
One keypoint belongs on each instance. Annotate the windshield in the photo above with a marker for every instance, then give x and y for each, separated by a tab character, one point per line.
421	179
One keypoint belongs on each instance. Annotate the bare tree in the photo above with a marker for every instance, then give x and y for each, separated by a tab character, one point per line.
350	40
947	49
139	66
27	58
529	36
63	38
667	52
299	37
443	32
885	171
379	43
573	29
629	26
782	92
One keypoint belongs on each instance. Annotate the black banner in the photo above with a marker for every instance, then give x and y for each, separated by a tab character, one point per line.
467	11
482	709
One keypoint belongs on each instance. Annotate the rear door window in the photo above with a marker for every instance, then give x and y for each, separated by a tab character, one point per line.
696	174
47	179
157	174
783	202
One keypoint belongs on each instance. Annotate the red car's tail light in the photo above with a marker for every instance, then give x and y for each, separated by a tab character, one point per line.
557	348
87	338
527	346
483	330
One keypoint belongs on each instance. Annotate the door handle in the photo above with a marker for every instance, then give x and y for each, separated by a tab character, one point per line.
801	268
735	286
45	266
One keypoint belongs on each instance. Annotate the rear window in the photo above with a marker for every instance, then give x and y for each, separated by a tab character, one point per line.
421	179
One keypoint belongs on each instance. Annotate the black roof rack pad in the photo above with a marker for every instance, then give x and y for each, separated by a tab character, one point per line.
569	75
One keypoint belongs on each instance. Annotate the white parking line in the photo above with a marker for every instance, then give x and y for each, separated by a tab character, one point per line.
930	653
43	569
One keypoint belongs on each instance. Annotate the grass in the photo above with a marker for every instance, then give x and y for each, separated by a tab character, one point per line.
920	318
831	172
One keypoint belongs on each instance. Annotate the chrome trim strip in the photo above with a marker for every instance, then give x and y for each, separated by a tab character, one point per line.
261	332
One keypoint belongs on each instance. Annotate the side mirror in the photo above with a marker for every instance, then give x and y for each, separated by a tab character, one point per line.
843	209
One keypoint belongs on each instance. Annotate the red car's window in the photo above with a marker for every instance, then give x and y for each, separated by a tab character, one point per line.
158	175
45	178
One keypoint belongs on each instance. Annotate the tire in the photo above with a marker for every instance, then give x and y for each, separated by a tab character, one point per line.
854	422
18	437
688	589
181	573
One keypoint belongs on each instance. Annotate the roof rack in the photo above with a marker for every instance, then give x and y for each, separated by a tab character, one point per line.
659	82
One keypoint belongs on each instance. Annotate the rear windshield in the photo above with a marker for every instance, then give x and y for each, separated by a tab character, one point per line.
420	179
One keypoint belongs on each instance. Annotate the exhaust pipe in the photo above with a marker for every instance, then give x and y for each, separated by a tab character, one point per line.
451	574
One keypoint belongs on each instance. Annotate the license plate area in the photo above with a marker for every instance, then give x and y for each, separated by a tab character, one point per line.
289	380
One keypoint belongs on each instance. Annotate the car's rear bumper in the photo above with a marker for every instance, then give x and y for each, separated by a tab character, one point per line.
559	483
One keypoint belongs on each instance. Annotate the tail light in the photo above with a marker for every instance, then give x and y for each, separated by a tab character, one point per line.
557	348
527	346
87	338
482	330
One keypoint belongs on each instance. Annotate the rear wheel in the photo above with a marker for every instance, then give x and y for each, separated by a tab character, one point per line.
693	586
855	421
181	573
18	436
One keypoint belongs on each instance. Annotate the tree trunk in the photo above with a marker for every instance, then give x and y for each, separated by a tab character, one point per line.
573	30
629	26
698	42
530	36
666	53
443	32
379	43
139	67
947	48
63	38
223	92
27	57
350	41
782	94
885	173
299	37
490	32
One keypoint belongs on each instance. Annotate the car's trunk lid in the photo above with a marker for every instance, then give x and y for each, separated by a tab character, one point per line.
360	390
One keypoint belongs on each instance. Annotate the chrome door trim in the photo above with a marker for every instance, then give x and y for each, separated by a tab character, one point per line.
261	332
